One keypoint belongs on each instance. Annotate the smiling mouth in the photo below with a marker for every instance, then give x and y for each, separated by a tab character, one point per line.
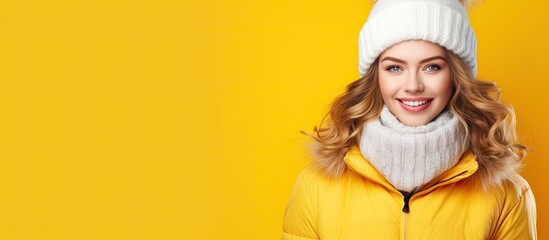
414	103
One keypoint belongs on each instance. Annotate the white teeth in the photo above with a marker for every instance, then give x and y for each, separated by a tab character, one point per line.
414	103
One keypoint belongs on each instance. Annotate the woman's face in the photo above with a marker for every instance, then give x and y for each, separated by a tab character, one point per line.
414	80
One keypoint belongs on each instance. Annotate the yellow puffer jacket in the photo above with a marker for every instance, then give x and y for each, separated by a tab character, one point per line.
363	205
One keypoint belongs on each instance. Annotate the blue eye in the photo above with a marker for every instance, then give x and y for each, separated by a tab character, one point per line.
432	68
393	69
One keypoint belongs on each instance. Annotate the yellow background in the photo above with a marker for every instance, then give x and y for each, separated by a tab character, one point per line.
180	119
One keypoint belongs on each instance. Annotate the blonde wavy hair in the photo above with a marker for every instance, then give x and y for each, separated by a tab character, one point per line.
490	124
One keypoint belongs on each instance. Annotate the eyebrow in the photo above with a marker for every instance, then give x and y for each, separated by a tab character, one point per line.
422	61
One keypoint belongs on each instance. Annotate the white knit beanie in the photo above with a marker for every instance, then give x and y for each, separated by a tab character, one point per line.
444	22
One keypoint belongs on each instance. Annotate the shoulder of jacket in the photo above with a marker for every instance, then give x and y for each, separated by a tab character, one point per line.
312	175
519	185
516	210
513	190
316	178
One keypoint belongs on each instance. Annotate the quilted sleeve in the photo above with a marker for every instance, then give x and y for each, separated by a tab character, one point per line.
300	221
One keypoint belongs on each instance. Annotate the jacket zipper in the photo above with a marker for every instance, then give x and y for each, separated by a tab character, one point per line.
405	211
406	207
404	227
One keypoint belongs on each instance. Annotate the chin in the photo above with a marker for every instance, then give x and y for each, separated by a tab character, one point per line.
416	121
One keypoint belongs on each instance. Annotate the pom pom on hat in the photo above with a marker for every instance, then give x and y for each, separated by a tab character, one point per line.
444	22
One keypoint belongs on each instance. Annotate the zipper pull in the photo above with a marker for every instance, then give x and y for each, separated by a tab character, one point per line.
407	195
406	207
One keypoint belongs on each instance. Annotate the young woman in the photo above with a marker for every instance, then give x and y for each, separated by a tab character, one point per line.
417	148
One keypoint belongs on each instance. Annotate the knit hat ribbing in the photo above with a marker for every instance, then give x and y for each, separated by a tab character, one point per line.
444	22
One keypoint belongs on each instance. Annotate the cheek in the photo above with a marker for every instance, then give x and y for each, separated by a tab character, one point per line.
386	88
444	88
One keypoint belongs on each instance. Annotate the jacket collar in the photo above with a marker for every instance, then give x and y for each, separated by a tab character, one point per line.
466	166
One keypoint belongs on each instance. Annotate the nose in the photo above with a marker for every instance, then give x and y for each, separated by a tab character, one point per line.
413	83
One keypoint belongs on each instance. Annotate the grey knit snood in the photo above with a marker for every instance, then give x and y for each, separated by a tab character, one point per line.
409	157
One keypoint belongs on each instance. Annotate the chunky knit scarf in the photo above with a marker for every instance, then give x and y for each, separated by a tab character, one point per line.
409	157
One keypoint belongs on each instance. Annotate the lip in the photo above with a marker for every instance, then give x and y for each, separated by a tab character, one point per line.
417	108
